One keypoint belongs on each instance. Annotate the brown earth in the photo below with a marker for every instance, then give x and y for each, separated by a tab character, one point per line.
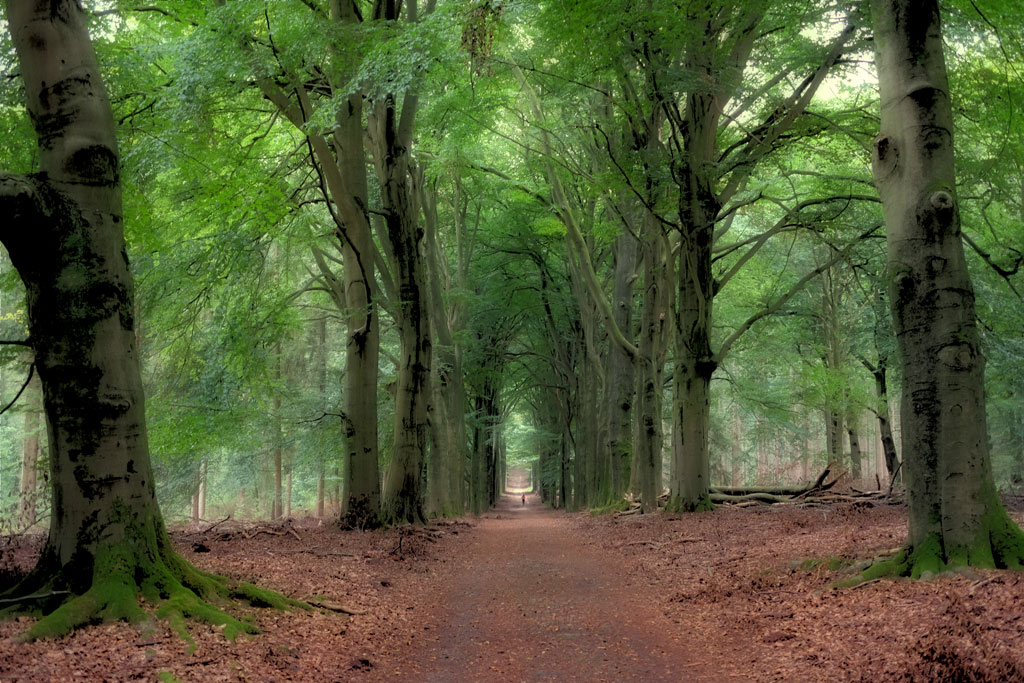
529	594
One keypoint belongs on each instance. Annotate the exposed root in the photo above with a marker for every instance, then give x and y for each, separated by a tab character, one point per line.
108	586
999	544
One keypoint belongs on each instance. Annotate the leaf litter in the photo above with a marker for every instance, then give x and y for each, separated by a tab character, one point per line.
532	594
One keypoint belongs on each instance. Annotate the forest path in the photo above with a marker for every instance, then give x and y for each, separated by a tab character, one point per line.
527	600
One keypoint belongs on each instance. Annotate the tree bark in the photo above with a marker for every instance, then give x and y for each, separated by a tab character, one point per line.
276	507
649	437
447	462
694	360
855	454
879	372
28	494
621	385
391	134
201	495
107	542
956	517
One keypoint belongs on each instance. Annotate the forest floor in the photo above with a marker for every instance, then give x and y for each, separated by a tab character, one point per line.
529	594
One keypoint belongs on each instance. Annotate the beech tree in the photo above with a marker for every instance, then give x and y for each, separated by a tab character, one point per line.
956	517
107	543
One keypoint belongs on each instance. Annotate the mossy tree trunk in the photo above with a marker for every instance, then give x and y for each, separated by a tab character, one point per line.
955	515
107	542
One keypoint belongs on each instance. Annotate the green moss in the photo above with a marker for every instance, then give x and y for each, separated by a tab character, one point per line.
832	563
1005	540
894	566
167	677
145	565
681	504
922	562
620	505
927	558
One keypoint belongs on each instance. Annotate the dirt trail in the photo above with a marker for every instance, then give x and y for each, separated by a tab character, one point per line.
526	600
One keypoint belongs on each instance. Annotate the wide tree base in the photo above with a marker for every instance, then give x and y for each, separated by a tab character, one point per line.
998	544
701	503
114	583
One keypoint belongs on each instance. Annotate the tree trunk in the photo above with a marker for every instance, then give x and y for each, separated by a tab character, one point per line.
202	489
276	506
403	499
360	508
694	361
107	542
194	507
448	416
650	364
884	427
28	493
320	344
736	459
288	495
621	386
956	517
856	470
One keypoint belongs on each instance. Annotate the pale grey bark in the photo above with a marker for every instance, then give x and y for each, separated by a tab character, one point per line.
955	515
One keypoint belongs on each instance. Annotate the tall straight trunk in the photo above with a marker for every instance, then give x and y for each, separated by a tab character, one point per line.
833	434
63	230
584	461
28	490
621	387
448	418
833	360
856	465
202	489
736	461
879	372
955	514
479	495
361	505
341	159
694	360
276	507
403	499
194	507
498	483
288	494
320	486
650	363
320	346
565	470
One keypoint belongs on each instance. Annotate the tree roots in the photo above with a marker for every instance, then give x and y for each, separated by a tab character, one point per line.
998	544
121	575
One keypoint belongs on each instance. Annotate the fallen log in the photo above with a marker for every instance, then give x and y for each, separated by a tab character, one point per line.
758	497
791	491
748	490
